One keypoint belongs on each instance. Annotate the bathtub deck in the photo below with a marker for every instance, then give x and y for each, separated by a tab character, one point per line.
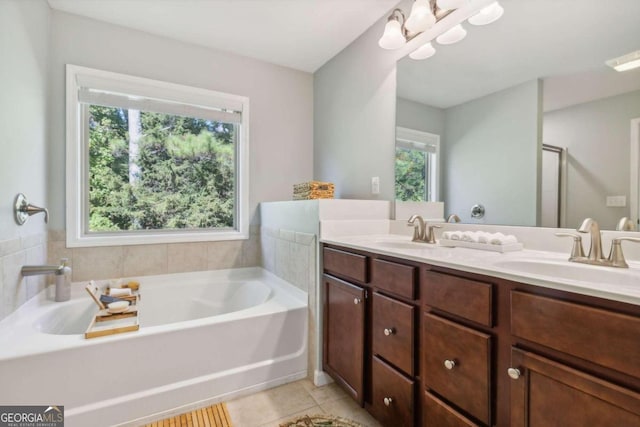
213	416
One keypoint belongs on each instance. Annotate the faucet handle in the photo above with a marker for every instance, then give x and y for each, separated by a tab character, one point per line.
576	250
616	257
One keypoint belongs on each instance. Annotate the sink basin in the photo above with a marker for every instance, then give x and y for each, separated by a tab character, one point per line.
572	271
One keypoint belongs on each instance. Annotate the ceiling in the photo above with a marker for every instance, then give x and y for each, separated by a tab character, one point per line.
544	39
300	34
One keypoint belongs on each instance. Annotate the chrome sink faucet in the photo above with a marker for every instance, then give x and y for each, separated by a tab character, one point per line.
422	232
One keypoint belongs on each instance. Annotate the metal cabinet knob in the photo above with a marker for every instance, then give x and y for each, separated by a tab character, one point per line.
514	373
356	301
387	401
449	364
389	331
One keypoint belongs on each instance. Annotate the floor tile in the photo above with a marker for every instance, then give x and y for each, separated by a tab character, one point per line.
348	408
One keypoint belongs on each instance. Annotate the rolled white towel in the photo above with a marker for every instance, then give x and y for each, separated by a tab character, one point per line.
483	237
446	235
456	235
470	236
496	238
117	292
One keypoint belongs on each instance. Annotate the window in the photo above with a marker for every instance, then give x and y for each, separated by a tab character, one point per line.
153	162
416	165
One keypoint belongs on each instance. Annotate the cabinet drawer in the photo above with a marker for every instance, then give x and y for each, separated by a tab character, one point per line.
345	264
392	396
436	413
393	331
604	337
393	277
466	298
456	362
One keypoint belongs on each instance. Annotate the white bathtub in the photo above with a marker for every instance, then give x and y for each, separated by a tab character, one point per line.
204	337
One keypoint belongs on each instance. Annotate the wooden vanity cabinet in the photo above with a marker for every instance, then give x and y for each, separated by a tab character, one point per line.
433	346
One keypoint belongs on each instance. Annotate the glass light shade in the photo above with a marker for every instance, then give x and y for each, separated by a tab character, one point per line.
628	65
453	35
392	37
421	17
487	15
423	52
451	4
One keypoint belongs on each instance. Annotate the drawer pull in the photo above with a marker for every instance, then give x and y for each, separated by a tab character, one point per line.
389	331
513	373
387	401
356	301
449	364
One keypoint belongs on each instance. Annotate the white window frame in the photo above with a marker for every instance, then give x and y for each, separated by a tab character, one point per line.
77	158
412	139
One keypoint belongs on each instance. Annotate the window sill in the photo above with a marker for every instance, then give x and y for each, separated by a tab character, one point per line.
151	238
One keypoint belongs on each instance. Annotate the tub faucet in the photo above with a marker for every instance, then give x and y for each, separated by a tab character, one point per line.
62	273
35	270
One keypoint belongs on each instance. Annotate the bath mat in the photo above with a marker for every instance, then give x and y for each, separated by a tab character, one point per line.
320	421
211	416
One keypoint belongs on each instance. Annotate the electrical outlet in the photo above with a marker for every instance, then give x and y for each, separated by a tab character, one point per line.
375	185
616	201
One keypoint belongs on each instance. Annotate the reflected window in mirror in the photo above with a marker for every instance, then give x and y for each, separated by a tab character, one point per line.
416	165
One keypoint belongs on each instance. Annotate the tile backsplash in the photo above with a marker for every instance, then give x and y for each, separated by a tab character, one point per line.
15	290
141	260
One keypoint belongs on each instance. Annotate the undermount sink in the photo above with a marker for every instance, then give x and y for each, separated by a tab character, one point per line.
572	271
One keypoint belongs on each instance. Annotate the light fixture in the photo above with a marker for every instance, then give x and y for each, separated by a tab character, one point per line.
489	14
394	32
421	17
423	52
425	14
451	4
453	35
625	62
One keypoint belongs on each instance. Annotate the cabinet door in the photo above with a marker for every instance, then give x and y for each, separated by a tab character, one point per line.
546	393
344	315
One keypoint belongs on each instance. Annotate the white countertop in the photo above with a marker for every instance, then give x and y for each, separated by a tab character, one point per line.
539	268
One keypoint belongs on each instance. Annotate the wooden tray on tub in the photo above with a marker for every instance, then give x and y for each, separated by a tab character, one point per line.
106	323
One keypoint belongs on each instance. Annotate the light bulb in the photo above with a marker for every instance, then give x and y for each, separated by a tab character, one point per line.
451	4
487	15
453	35
423	52
421	17
392	37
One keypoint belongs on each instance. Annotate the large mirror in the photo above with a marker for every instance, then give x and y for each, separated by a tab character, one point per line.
531	122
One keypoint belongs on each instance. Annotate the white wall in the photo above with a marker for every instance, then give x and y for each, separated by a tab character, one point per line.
425	118
24	29
596	135
491	156
354	118
281	99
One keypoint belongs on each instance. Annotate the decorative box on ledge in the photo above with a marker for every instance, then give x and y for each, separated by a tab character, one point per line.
313	190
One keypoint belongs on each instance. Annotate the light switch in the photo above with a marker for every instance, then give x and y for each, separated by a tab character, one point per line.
375	185
616	201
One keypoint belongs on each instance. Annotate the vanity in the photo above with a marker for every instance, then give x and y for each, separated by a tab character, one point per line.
422	335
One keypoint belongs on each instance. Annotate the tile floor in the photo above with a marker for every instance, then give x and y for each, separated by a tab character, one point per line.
271	407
